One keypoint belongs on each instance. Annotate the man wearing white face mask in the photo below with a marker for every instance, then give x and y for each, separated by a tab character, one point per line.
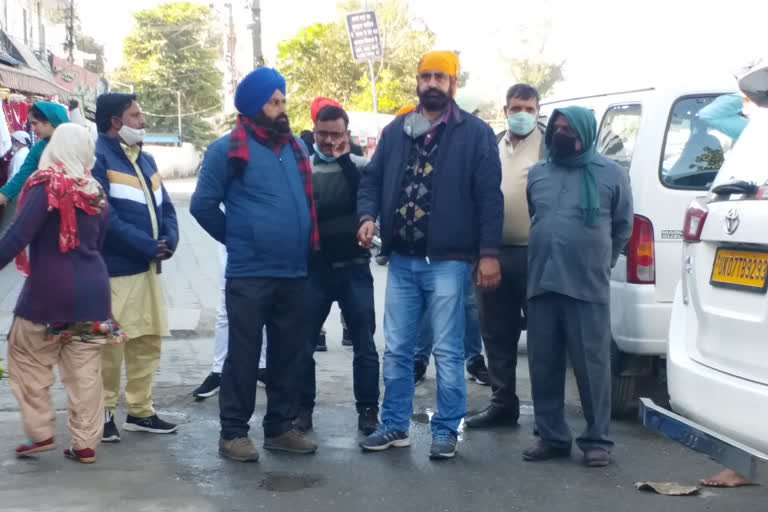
142	232
501	317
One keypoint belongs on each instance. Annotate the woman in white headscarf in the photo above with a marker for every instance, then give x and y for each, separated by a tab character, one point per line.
61	316
21	143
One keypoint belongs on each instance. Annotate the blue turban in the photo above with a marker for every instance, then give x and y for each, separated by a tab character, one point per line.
256	89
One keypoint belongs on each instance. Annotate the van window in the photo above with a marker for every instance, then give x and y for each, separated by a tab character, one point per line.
618	134
694	150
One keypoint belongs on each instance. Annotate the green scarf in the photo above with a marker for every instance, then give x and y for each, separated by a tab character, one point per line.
582	120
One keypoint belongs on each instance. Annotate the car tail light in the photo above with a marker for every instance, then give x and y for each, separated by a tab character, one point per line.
641	268
695	216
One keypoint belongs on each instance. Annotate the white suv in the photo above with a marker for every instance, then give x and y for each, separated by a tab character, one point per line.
717	362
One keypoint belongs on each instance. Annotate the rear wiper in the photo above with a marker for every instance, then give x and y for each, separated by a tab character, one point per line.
735	186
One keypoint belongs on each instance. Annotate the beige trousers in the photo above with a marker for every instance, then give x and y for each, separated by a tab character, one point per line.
31	358
142	357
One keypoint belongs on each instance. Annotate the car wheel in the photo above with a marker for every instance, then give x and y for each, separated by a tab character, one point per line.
623	387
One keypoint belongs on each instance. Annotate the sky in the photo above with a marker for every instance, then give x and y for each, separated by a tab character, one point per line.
607	45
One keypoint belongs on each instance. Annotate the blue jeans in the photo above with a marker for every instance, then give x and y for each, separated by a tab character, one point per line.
473	342
436	291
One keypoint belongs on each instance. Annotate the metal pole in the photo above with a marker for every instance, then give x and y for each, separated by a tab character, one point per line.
373	87
258	56
178	105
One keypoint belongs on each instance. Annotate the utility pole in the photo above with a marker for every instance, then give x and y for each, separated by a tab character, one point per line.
232	48
71	31
372	75
258	54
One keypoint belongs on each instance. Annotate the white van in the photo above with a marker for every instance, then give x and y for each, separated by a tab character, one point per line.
672	156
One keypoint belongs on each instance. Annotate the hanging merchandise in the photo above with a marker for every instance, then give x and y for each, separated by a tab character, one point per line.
5	134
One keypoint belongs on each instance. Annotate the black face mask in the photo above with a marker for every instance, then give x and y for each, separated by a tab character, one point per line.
564	145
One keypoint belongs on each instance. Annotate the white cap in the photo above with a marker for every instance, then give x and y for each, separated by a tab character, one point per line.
21	136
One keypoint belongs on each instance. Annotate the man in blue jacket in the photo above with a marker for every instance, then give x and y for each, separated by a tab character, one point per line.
262	176
142	232
435	181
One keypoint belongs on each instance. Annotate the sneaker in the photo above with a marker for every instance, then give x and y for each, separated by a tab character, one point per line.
153	424
303	421
240	449
346	339
209	387
292	441
443	445
86	455
261	377
321	346
111	434
31	447
368	420
419	371
385	437
478	371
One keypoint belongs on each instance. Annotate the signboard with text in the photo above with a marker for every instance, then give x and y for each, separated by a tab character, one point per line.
363	31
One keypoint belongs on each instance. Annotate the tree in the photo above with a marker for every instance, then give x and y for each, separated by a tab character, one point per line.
539	73
318	62
173	47
87	44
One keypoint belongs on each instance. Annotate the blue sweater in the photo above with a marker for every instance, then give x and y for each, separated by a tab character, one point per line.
467	204
130	245
267	225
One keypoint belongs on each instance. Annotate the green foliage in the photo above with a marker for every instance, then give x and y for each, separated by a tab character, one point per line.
88	44
541	74
173	47
318	62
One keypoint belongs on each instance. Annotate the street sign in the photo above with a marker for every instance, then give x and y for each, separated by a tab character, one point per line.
364	38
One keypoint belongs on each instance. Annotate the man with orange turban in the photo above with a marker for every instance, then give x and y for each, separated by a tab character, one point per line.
440	213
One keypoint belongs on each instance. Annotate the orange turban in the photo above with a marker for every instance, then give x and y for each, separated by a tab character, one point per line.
404	110
319	103
447	62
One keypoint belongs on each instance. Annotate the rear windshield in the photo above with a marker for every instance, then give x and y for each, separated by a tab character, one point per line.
749	159
695	144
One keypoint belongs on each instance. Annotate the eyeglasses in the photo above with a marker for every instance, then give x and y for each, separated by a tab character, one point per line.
336	136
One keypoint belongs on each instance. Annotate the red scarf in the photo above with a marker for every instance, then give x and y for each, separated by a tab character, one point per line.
238	150
64	194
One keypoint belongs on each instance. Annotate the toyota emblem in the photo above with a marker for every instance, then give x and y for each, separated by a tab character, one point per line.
732	221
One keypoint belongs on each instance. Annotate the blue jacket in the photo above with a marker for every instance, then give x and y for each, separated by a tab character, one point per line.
129	246
467	204
266	227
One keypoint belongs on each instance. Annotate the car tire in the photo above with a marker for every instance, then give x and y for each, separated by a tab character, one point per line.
623	387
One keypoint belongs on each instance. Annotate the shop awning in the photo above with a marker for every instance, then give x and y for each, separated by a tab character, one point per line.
28	81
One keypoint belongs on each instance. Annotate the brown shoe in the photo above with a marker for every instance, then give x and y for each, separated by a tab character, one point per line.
597	458
545	451
292	441
240	449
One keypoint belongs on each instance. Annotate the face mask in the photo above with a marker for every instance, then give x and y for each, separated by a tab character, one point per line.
564	145
132	136
416	125
322	156
521	123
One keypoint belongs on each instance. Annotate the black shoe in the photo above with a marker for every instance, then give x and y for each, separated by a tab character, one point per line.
545	451
419	371
368	420
346	340
111	434
491	416
321	346
209	387
261	377
477	371
153	425
303	421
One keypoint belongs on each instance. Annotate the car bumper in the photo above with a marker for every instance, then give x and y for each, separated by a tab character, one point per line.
750	463
732	406
639	323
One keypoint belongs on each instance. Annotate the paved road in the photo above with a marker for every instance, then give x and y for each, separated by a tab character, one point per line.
183	472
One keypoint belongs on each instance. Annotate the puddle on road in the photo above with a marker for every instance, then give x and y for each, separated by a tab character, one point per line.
289	482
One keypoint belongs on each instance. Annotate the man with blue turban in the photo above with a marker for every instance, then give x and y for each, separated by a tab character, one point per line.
262	176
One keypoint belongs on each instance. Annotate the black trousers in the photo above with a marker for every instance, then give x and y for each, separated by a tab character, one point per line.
501	321
253	303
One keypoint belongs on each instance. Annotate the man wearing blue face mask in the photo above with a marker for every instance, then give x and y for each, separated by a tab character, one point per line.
501	308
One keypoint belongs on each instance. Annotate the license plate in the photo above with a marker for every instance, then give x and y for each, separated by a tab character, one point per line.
742	270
